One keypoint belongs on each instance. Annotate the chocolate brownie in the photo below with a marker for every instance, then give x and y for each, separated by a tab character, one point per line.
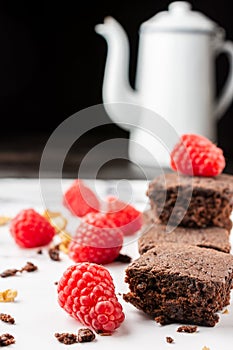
179	283
202	201
210	237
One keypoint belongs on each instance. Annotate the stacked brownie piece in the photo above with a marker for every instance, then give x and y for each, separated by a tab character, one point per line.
202	201
185	273
211	237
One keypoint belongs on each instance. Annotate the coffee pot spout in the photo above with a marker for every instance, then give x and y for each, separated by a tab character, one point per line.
116	86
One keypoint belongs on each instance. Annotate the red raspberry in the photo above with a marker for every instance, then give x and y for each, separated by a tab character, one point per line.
80	200
29	229
124	216
97	240
86	291
198	156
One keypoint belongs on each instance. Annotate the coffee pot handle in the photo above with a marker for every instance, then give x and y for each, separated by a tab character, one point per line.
226	95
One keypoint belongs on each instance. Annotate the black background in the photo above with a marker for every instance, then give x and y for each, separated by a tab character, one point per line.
52	61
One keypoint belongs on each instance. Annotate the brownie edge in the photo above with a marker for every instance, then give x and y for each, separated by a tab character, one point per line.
211	237
176	283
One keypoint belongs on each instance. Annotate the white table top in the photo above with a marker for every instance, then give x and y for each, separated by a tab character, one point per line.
36	311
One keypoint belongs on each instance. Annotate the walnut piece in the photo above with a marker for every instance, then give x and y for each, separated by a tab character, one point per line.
4	220
225	312
8	295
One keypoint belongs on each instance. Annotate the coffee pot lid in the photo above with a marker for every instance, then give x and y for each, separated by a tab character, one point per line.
180	17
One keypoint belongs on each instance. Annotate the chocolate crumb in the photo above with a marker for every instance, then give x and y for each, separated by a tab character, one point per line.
123	258
103	334
29	267
7	318
6	339
54	253
40	251
187	329
66	338
169	340
85	335
56	283
9	273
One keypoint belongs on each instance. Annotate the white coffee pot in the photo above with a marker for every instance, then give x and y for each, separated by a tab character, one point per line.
175	77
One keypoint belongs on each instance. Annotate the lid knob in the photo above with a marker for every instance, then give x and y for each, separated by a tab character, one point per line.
180	6
180	17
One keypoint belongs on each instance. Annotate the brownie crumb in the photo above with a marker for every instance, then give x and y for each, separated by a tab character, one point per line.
66	338
6	339
123	258
40	251
56	283
103	333
85	335
29	267
9	273
54	253
187	329
7	318
169	340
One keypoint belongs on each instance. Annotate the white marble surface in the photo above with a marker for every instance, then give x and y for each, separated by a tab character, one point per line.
36	310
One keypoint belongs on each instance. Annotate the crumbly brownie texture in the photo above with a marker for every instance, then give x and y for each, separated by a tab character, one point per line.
210	237
7	318
54	253
66	338
210	205
181	284
187	329
85	335
169	340
6	339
